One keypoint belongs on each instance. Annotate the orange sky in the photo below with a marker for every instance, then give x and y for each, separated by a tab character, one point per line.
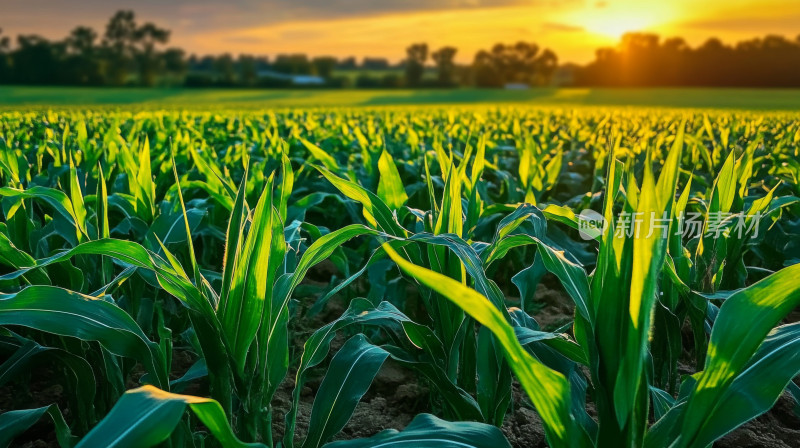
572	28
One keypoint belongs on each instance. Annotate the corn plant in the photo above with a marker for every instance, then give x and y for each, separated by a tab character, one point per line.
242	330
179	272
617	306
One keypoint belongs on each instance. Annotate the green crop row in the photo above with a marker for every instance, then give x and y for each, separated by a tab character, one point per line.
130	239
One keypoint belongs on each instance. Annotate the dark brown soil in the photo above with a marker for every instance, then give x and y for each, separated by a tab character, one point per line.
40	392
778	428
556	309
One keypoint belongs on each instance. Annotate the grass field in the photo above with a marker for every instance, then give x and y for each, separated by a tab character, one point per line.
753	99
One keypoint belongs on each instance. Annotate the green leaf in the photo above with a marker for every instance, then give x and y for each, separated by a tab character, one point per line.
28	354
169	228
376	212
385	316
173	281
56	199
241	313
14	423
233	247
17	259
548	389
349	376
390	187
147	416
320	154
67	313
757	388
429	431
733	346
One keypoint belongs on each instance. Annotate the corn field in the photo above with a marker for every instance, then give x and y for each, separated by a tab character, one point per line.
241	277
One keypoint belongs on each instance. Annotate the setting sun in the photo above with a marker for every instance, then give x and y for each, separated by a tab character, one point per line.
613	21
618	25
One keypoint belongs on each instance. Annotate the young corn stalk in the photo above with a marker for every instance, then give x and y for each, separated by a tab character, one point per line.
618	308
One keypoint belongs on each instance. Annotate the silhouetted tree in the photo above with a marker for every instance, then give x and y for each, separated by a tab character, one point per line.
417	54
445	65
348	63
5	66
147	37
644	60
225	70
119	41
175	62
248	73
324	65
82	64
292	64
36	61
375	64
518	63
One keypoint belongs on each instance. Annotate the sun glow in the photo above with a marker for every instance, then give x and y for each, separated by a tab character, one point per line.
615	20
618	25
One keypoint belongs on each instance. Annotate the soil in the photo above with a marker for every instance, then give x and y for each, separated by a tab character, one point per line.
778	428
396	396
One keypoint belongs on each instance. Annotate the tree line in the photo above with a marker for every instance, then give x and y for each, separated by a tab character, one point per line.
645	60
130	53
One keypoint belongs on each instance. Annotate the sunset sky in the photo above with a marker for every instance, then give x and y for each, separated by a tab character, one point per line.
572	28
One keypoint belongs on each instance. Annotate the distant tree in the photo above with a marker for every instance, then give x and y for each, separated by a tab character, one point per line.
206	63
292	64
119	41
262	63
417	55
324	65
644	60
81	41
5	66
225	70
391	81
37	61
367	81
518	63
348	63
248	73
486	71
5	42
82	64
175	63
375	64
147	37
545	68
445	65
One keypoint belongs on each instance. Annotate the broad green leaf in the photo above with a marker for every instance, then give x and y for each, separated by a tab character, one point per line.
147	416
67	313
548	389
390	187
320	154
757	388
14	423
733	345
429	431
349	376
241	314
56	199
376	212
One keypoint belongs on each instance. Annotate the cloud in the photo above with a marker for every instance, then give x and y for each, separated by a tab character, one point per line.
561	27
747	24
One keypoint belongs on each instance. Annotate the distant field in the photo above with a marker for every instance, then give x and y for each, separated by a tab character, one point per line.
760	99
